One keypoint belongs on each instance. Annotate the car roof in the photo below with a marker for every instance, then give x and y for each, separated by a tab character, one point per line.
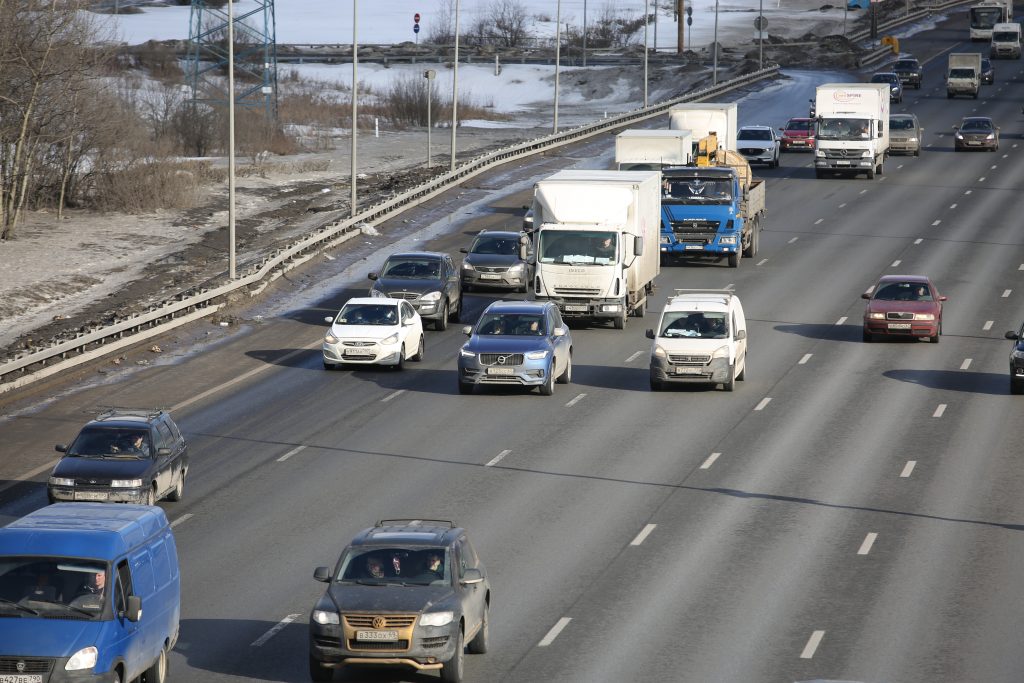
906	59
432	532
883	73
372	300
902	116
500	233
518	307
125	417
976	118
756	127
904	278
708	300
799	118
418	254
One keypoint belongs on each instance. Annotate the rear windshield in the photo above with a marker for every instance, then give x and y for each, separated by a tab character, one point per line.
111	442
395	565
52	588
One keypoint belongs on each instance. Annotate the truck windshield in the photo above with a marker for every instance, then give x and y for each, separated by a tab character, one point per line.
380	566
844	129
713	190
704	324
985	17
961	73
48	587
1005	37
582	247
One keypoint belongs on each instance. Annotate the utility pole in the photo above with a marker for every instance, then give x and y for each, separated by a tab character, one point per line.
355	112
231	140
584	32
655	26
429	75
715	46
680	27
455	85
558	56
646	24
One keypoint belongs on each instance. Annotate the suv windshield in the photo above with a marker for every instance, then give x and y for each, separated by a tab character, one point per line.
905	65
798	125
47	587
716	190
904	291
395	565
578	247
413	268
111	442
844	129
753	134
495	245
368	314
520	324
704	324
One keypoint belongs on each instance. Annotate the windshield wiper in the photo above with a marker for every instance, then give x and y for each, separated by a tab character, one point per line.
81	611
31	611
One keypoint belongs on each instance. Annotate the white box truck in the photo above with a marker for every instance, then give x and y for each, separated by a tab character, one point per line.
853	128
641	149
596	242
1006	41
704	118
964	74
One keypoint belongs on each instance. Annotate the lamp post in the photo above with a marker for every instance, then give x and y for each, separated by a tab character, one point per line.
231	140
429	75
715	46
455	85
355	91
558	55
760	34
646	24
584	32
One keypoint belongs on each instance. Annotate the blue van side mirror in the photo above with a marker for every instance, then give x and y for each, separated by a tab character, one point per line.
134	611
60	448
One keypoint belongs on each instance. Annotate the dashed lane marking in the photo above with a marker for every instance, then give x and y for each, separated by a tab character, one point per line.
918	241
553	633
818	221
184	518
762	262
575	400
634	356
936	222
391	396
261	641
952	206
496	459
793	240
764	402
803	361
966	364
841	321
812	645
710	461
869	541
842	205
1006	293
988	325
297	449
643	534
940	410
896	263
967	191
908	468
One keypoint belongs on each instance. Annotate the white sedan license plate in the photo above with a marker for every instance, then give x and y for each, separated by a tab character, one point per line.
899	326
385	636
86	495
501	371
489	276
360	352
21	678
685	370
575	307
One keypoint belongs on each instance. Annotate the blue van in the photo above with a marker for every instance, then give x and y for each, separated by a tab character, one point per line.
88	592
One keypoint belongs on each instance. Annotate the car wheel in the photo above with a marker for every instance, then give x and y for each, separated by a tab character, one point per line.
566	376
742	377
480	642
441	324
639	309
1016	387
548	388
455	315
657	385
917	152
151	496
934	339
871	173
400	365
867	336
158	672
179	490
319	672
734	260
730	383
619	322
465	388
419	351
451	671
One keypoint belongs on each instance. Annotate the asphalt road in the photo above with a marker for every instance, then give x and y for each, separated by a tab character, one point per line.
852	512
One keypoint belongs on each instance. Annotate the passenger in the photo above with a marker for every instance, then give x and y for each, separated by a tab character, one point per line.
374	568
433	569
716	327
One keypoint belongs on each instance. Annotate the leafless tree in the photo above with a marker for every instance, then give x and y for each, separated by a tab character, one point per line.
441	29
509	22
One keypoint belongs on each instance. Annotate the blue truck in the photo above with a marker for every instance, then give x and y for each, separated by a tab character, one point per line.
711	211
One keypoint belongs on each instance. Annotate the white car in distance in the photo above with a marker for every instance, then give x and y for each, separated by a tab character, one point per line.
373	331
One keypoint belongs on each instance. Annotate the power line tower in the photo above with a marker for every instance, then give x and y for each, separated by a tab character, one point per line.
255	55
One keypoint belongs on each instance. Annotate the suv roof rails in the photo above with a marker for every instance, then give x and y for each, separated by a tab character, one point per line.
716	292
114	411
416	522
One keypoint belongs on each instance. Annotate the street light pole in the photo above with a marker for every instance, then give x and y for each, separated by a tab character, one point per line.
429	75
646	24
355	91
558	55
655	26
455	85
584	32
231	140
715	46
760	34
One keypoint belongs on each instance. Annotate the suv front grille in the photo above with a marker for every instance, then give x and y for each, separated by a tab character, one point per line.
899	316
397	645
9	665
752	151
390	620
679	359
501	359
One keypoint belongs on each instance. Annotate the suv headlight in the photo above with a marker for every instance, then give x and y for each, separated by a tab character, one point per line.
432	296
325	617
83	659
331	339
437	618
125	483
659	352
721	352
393	339
61	481
536	355
466	265
378	293
924	316
467	354
1018	354
876	316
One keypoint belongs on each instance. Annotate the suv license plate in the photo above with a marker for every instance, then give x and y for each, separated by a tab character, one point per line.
386	636
575	307
686	370
86	495
21	678
501	371
899	326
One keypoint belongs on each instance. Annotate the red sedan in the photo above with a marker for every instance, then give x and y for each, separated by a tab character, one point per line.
903	306
798	133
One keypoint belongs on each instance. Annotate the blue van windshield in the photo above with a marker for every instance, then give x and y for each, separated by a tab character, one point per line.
48	587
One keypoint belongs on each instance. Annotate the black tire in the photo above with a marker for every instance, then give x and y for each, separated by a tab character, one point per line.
867	337
465	388
751	249
818	174
523	289
917	152
657	385
934	339
734	259
441	324
400	365
178	492
451	671
481	641
548	388
1016	387
115	676
871	173
619	322
418	357
639	309
880	169
456	315
157	673
566	376
319	672
742	377
730	383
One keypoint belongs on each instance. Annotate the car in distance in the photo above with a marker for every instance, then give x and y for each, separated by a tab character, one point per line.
988	72
1017	361
522	343
403	592
123	456
976	132
895	87
701	338
373	331
798	133
905	133
428	280
496	259
910	72
759	145
903	306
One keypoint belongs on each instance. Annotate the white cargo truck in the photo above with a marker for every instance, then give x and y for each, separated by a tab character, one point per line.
640	149
964	74
1006	41
853	128
596	238
704	118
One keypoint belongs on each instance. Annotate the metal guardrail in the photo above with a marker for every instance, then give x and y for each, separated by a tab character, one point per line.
99	341
907	18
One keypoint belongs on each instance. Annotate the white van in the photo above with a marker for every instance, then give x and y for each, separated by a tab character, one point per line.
701	338
1006	41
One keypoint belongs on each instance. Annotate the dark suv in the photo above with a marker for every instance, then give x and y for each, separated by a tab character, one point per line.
909	71
1017	361
123	456
426	279
404	592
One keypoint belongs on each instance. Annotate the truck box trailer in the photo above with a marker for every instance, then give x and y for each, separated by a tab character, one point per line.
853	128
704	118
641	149
963	75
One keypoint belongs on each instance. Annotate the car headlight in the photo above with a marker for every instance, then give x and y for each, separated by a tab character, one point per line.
924	316
1018	354
876	316
393	339
819	153
61	481
331	339
432	296
659	352
378	293
466	354
536	355
125	483
959	136
437	618
721	352
325	617
911	139
466	265
517	268
83	659
990	136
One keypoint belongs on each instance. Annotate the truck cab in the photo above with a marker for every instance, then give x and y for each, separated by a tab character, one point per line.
853	131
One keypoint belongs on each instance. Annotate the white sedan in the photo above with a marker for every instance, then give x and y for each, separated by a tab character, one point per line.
373	331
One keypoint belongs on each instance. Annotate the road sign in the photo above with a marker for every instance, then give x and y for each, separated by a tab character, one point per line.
415	28
416	18
760	23
689	21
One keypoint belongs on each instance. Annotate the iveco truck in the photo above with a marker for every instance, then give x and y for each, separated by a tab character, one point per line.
853	128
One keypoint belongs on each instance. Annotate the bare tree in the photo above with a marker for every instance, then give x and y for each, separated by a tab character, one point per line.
509	22
441	30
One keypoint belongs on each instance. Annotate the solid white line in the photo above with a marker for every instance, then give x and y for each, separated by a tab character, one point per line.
184	518
575	400
764	401
908	468
918	241
966	364
812	644
28	475
869	541
818	221
952	206
940	410
841	321
1006	293
896	263
988	325
900	166
1005	155
391	396
634	357
643	534
710	461
803	361
934	223
793	240
555	630
290	453
762	262
259	642
496	459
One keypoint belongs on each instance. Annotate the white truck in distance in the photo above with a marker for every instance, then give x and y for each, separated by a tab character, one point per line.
853	128
596	242
1006	41
964	74
704	118
641	149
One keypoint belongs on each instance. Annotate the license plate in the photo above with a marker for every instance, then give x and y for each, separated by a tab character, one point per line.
360	352
694	247
86	495
685	370
386	636
501	371
899	326
972	142
842	163
21	678
489	276
574	307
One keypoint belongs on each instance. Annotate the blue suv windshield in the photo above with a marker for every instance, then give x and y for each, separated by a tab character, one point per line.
516	324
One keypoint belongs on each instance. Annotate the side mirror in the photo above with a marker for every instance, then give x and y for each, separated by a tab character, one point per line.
524	252
467	330
472	576
649	334
134	610
1011	335
638	245
61	448
407	322
782	130
943	298
372	276
741	335
322	574
329	320
865	295
163	452
559	332
464	250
